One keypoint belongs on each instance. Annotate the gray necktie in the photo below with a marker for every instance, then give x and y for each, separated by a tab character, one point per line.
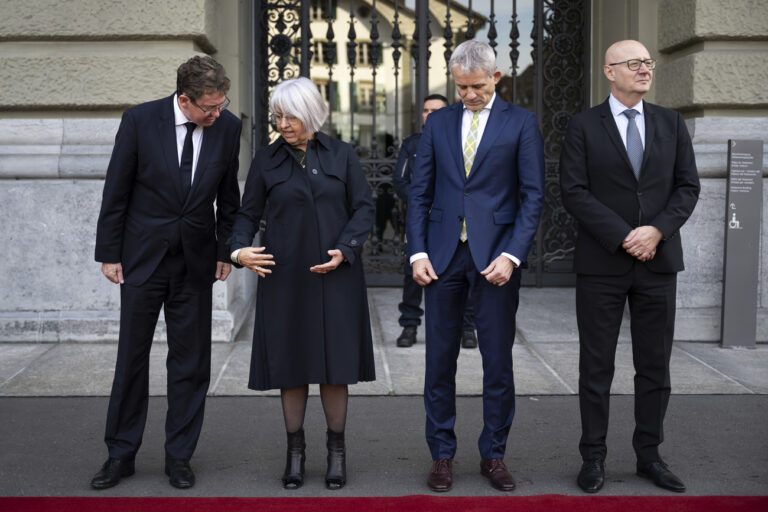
634	143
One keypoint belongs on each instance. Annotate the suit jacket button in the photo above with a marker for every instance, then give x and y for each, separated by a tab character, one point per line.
353	243
466	193
314	171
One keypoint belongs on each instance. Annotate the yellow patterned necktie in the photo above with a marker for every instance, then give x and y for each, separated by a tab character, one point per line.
470	148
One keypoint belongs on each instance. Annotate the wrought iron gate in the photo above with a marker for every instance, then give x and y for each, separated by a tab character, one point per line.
375	77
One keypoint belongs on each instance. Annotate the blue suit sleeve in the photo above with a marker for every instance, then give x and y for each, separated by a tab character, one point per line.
530	165
422	192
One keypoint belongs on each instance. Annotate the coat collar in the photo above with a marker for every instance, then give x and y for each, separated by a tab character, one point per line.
276	156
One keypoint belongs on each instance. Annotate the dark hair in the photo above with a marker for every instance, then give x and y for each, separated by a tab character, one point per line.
199	76
436	97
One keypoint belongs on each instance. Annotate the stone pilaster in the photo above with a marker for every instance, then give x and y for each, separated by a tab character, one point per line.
713	69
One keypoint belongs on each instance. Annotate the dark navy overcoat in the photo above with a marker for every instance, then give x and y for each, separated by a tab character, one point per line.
310	328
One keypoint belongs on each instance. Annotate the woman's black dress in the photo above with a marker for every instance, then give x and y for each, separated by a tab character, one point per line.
310	328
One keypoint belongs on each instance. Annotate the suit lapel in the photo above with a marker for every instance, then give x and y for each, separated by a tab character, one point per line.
650	132
210	134
454	137
613	133
496	121
167	130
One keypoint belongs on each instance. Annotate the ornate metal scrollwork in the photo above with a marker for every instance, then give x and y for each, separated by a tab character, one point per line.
563	93
492	34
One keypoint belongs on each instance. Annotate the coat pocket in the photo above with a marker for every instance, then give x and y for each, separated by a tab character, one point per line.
435	215
504	217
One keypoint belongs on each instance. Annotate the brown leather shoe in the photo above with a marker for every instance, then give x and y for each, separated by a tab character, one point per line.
440	478
497	473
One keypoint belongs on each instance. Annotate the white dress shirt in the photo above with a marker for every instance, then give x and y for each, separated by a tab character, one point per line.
181	134
617	109
466	121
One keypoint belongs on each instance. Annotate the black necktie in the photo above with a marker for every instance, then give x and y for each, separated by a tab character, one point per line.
185	168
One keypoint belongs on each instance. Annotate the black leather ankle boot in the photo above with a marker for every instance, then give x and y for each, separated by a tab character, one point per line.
293	477
336	476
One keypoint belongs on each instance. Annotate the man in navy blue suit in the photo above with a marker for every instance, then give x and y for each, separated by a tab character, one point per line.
161	239
473	211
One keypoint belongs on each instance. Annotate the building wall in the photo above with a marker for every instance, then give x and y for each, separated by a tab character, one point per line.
69	70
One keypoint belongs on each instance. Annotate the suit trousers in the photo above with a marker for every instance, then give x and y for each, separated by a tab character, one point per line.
410	306
495	309
188	323
600	304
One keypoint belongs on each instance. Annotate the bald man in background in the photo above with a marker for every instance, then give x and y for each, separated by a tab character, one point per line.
628	175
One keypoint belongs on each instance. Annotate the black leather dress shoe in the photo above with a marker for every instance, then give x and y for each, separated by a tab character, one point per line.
592	475
407	337
659	473
180	473
468	339
111	472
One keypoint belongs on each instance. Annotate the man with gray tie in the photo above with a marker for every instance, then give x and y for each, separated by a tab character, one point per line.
628	175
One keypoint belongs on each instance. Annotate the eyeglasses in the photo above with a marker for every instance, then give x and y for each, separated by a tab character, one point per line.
634	64
277	119
206	109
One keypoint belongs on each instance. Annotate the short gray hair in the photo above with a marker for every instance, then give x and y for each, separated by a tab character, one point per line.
471	55
299	97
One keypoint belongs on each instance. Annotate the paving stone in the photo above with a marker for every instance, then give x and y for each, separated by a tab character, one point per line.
14	358
748	367
543	365
549	315
67	369
88	370
688	376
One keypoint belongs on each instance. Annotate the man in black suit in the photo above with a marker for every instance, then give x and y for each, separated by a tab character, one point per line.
628	175
158	237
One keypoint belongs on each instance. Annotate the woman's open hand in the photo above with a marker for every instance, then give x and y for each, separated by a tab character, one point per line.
255	259
336	258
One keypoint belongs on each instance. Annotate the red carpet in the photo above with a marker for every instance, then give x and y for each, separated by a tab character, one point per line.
545	503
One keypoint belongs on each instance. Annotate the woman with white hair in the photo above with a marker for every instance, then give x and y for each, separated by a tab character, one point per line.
312	324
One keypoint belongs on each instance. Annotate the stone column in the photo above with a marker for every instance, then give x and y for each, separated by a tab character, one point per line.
714	70
69	70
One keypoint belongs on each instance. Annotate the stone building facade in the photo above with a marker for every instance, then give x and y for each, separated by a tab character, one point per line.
71	67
